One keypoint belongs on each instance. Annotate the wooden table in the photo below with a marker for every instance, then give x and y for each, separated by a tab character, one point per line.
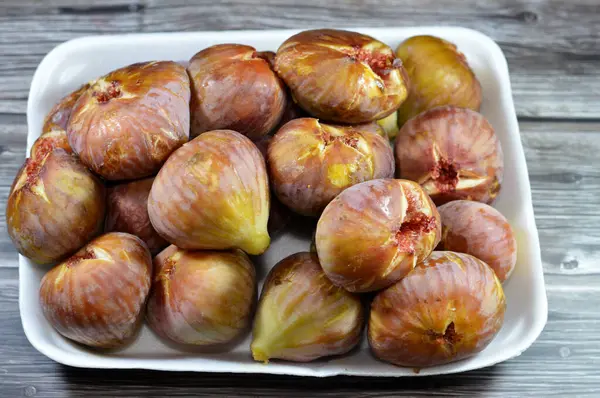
553	51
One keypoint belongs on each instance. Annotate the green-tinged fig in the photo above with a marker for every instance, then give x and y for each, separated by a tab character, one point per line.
439	75
448	308
374	233
481	231
128	122
201	297
127	211
389	124
342	76
97	297
453	153
302	316
55	206
310	163
213	193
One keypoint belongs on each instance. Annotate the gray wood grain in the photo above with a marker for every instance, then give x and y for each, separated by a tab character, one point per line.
553	50
552	47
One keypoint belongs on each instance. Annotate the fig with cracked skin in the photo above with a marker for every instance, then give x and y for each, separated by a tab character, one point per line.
374	233
127	211
453	153
213	194
439	75
310	163
126	124
97	297
448	308
481	231
302	316
201	297
235	88
342	76
55	206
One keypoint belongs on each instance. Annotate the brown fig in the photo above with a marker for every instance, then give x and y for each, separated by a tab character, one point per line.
310	163
448	308
302	316
127	211
201	297
234	87
453	153
213	193
374	233
97	297
481	231
342	76
55	206
58	117
126	124
439	75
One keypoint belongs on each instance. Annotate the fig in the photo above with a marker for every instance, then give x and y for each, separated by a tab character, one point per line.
58	117
374	233
342	76
235	88
55	206
439	75
127	211
97	297
302	316
55	138
213	194
481	231
126	124
311	162
389	124
201	297
453	153
448	308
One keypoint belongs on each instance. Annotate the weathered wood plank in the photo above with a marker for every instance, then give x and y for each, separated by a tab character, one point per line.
566	357
552	46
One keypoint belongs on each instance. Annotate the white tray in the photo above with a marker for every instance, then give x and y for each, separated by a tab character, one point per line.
77	61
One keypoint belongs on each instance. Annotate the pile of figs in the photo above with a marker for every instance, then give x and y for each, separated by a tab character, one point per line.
152	189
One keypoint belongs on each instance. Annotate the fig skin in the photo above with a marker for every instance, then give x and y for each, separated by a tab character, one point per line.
213	194
310	163
54	130
201	297
235	88
58	117
439	75
127	211
279	215
126	124
97	297
448	308
481	231
389	124
55	138
342	76
302	316
55	206
453	153
374	233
